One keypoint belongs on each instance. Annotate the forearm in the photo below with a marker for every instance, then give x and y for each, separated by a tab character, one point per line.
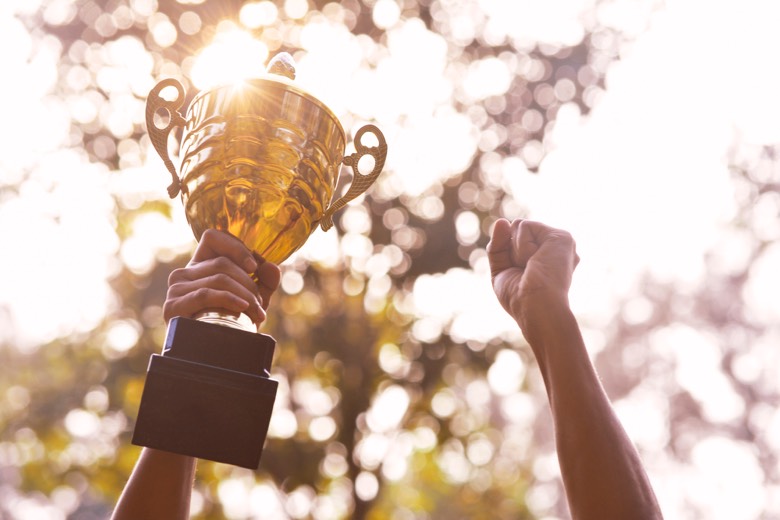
160	487
601	470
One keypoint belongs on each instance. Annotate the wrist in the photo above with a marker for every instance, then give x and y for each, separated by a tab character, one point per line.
549	326
553	334
542	317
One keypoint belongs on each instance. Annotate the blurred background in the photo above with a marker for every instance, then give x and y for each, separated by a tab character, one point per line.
648	129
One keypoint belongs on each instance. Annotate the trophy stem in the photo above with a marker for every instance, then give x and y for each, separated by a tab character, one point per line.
226	319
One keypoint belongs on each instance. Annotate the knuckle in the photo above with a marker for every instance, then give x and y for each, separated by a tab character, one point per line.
221	279
169	309
176	276
209	235
201	295
565	237
222	263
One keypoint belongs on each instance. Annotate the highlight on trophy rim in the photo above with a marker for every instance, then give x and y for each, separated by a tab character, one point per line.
260	159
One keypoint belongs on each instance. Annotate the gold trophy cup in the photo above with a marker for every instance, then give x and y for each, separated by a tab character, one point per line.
261	160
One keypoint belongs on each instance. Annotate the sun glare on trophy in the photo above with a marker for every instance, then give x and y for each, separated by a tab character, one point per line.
233	57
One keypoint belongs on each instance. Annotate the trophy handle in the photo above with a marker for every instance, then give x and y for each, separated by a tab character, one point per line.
360	182
159	136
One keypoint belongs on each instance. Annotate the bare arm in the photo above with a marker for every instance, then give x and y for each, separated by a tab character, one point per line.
532	266
159	488
218	276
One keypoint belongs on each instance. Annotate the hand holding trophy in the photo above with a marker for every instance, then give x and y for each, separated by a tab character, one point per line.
259	160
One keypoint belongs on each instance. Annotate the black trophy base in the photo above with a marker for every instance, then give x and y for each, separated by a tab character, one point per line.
208	395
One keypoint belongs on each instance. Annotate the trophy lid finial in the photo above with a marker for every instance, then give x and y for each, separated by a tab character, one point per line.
282	64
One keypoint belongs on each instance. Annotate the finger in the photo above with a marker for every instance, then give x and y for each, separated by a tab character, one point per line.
540	233
219	281
218	286
558	242
556	245
213	244
214	266
498	249
268	276
525	241
193	302
500	237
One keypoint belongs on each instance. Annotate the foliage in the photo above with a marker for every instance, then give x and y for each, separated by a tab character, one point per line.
350	339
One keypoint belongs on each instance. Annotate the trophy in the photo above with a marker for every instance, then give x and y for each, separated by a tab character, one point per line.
259	159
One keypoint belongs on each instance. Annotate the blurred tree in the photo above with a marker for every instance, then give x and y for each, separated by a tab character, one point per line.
380	414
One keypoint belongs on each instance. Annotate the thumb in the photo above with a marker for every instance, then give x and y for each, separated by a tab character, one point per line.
499	247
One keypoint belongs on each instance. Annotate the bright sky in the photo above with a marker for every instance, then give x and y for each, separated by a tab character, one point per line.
642	182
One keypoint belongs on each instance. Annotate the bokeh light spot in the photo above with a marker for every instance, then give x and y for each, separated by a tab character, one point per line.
258	14
190	23
232	57
366	486
386	13
296	9
163	31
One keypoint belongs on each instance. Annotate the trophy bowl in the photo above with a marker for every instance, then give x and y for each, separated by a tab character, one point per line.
260	159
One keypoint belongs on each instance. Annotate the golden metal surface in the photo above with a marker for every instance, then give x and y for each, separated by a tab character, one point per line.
159	136
283	65
360	182
260	160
